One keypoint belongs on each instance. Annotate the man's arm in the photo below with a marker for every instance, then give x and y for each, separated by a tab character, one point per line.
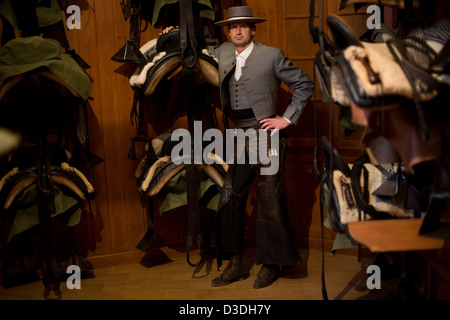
303	88
297	80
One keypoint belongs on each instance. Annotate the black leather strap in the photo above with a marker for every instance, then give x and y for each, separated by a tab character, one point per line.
188	37
312	30
187	34
322	200
193	197
314	33
45	192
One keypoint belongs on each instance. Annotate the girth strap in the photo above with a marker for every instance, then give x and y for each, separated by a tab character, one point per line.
187	33
193	196
45	192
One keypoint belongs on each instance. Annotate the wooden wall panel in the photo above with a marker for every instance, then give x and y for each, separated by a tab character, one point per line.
298	41
118	223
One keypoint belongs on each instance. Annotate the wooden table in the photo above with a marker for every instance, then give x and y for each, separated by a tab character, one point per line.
394	235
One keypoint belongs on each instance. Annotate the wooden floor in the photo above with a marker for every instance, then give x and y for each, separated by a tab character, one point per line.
165	275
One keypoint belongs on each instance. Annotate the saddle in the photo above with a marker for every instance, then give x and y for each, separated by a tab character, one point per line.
25	173
396	89
165	61
183	53
153	174
43	98
397	76
383	75
363	191
332	162
169	182
37	54
158	13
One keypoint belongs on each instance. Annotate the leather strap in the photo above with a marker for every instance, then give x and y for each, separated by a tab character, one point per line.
45	194
193	196
187	33
312	30
322	200
314	33
137	116
187	36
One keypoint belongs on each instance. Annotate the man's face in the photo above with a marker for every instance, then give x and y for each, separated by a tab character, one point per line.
241	34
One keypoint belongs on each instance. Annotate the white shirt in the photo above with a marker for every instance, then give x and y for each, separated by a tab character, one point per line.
240	60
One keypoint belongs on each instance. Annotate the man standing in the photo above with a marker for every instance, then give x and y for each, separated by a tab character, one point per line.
250	76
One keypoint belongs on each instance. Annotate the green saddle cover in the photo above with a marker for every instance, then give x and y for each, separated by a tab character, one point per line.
22	55
174	194
27	215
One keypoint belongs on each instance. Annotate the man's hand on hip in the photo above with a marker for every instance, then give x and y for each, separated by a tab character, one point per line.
277	123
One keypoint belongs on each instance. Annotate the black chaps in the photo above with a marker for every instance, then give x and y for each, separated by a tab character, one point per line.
275	241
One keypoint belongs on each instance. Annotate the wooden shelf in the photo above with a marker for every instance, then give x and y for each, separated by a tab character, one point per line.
393	235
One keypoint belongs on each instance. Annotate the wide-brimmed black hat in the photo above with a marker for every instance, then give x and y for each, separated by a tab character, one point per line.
240	14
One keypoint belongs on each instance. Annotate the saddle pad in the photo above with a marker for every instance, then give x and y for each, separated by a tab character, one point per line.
16	181
164	62
22	55
27	215
167	65
351	80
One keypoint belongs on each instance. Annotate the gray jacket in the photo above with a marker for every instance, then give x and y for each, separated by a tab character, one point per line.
264	70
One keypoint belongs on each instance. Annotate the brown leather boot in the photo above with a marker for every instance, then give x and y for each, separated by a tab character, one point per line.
235	271
268	274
